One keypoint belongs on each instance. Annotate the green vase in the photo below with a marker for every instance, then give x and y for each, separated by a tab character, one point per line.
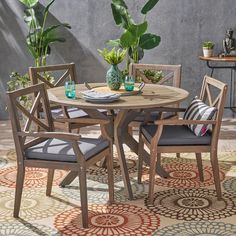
114	77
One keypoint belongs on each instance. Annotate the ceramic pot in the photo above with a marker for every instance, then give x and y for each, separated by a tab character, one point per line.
207	52
114	78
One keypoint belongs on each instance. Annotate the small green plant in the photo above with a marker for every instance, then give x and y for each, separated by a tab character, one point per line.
208	44
154	76
114	56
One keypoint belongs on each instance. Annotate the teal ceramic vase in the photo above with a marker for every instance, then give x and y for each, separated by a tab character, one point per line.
114	78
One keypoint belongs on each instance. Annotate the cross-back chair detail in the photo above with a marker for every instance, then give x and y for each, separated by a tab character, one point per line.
171	73
36	74
155	136
172	77
45	149
60	113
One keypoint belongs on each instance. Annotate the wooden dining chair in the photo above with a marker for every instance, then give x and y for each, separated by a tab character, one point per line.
189	134
54	150
54	76
171	75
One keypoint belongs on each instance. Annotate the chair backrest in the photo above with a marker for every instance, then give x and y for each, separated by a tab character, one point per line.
213	93
171	73
25	119
46	73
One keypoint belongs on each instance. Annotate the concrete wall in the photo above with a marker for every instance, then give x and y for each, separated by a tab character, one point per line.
182	25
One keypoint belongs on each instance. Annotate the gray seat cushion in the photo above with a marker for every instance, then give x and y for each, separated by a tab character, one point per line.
176	135
60	150
73	113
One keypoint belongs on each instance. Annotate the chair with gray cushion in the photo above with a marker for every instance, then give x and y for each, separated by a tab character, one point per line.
171	76
175	135
54	76
54	150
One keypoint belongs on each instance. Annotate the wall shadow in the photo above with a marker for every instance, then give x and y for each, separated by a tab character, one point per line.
15	56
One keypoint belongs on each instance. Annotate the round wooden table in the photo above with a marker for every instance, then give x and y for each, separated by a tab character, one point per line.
127	108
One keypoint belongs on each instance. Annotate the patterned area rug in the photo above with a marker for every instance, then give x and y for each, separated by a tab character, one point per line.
183	206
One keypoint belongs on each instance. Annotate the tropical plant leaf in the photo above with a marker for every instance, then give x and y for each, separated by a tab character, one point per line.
114	43
149	41
29	3
121	16
120	2
48	6
54	27
32	50
116	14
148	6
127	39
138	30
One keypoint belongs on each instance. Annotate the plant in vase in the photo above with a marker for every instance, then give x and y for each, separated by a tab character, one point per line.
134	37
114	75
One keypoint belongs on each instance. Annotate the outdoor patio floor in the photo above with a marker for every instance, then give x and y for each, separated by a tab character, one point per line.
182	204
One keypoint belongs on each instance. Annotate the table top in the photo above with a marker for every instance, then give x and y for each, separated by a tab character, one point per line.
216	58
152	96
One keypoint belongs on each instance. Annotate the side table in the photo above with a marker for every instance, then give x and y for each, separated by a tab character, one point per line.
229	60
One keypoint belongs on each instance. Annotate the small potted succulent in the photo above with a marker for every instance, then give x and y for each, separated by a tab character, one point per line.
207	47
114	75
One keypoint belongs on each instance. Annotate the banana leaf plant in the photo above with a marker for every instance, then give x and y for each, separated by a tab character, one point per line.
39	35
135	37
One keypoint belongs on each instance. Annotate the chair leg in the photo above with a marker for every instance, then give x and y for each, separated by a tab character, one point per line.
49	182
140	158
130	130
152	172
199	166
109	162
19	188
216	173
83	196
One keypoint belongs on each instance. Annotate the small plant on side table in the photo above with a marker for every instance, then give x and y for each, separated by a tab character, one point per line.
207	47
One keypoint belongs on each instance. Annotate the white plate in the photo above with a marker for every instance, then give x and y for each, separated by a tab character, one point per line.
100	100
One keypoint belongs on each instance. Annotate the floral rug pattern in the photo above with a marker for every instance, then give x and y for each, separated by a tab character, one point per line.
183	206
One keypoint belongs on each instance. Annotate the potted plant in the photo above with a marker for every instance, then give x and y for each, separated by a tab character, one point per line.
207	47
40	37
135	37
114	75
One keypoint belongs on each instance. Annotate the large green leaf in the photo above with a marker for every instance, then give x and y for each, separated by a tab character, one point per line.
138	30
149	41
116	14
29	3
120	2
121	16
54	27
148	6
127	39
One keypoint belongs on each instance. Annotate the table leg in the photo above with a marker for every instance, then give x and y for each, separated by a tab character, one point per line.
119	130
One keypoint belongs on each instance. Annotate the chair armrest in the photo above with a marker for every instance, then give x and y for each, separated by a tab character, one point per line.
58	135
185	122
82	120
